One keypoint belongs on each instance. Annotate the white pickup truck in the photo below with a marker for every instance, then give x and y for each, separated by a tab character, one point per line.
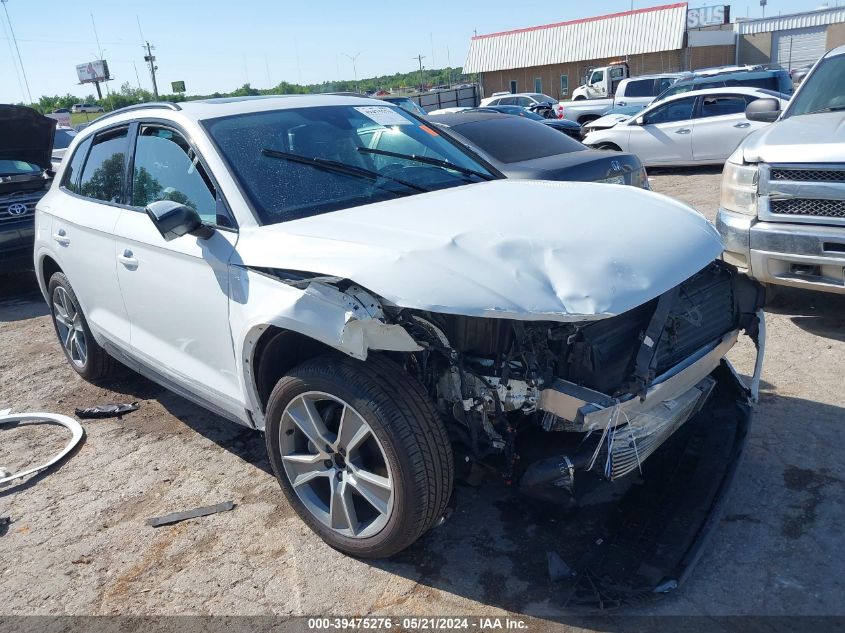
632	91
782	210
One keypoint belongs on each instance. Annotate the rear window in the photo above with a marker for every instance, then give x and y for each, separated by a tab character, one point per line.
641	88
513	139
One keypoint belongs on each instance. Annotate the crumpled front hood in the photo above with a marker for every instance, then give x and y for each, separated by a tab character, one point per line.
807	138
530	250
26	135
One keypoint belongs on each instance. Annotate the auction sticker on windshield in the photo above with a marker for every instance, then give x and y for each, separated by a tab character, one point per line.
383	115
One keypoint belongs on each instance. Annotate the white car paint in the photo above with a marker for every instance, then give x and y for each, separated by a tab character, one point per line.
686	139
187	312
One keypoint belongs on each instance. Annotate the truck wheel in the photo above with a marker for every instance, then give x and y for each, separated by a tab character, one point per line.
360	453
608	146
87	358
580	98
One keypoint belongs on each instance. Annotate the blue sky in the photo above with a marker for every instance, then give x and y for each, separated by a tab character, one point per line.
219	45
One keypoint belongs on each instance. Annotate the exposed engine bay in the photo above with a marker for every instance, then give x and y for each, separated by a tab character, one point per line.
614	389
621	386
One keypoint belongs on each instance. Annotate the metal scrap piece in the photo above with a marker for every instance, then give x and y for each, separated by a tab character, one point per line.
175	517
106	411
76	435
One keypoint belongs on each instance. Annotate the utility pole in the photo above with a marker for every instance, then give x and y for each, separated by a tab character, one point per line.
15	40
419	58
150	59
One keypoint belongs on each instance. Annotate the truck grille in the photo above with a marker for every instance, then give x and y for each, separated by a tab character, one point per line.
811	207
808	175
18	206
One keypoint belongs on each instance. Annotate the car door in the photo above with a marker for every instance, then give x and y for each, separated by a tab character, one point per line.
720	126
177	292
665	136
82	226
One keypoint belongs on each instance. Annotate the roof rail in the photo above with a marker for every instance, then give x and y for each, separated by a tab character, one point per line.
167	105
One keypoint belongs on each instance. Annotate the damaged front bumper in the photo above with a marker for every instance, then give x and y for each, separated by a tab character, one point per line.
632	428
648	542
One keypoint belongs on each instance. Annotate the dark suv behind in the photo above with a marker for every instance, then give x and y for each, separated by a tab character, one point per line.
26	144
777	80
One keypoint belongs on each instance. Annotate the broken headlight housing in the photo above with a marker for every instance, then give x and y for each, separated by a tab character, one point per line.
739	186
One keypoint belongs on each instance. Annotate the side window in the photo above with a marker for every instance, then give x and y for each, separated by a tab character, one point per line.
598	76
507	101
679	110
722	105
166	168
102	176
70	180
524	102
617	73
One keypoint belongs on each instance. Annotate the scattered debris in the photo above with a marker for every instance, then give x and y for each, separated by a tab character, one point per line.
106	411
190	514
4	525
72	425
84	560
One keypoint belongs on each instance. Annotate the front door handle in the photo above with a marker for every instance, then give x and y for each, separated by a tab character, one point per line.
61	238
621	103
744	124
683	130
128	260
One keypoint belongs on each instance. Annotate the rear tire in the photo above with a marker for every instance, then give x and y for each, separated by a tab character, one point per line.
405	445
83	353
608	146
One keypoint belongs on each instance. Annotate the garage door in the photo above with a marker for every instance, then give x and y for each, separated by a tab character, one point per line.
799	47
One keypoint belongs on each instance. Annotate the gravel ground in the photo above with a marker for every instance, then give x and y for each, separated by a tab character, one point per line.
78	542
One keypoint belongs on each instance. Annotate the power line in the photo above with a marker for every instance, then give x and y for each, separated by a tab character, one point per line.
14	65
14	39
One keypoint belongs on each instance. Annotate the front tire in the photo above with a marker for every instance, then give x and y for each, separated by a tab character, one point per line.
84	354
360	453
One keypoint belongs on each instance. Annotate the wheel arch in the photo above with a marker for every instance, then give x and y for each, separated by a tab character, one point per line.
270	352
47	267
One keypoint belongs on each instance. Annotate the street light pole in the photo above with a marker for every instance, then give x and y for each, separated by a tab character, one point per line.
15	40
354	69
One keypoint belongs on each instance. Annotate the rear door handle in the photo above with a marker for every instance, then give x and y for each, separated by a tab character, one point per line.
745	124
683	130
128	260
61	238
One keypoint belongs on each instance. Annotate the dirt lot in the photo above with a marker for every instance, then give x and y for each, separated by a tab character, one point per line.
78	542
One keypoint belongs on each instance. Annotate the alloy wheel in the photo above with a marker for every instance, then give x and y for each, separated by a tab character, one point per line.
336	465
69	327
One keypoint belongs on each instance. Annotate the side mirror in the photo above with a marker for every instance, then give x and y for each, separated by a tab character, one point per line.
763	110
173	220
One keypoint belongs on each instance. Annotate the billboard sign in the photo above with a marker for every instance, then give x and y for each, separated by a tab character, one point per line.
177	86
708	16
98	70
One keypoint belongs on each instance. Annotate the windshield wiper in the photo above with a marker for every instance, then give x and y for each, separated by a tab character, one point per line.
827	109
429	161
339	168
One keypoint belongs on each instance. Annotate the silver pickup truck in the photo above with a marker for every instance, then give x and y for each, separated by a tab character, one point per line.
782	209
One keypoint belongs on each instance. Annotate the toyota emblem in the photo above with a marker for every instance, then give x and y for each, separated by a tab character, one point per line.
17	209
615	166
